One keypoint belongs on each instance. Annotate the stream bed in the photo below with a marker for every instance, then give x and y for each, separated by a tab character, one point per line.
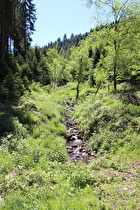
75	143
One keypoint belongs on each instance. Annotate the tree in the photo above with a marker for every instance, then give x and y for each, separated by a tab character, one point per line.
57	68
78	66
117	12
17	18
6	25
27	20
65	37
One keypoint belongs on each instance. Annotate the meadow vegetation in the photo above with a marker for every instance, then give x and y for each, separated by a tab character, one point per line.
35	169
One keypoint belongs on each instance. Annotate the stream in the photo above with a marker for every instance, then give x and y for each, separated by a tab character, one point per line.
75	143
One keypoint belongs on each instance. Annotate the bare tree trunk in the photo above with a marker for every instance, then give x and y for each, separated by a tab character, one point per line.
2	30
115	59
98	87
115	77
77	90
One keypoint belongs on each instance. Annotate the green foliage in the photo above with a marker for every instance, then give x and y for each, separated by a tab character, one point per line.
6	161
78	67
81	178
10	83
57	67
56	155
64	46
6	124
17	24
120	51
108	123
35	170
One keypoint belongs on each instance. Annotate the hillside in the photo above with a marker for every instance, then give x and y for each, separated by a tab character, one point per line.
36	172
64	46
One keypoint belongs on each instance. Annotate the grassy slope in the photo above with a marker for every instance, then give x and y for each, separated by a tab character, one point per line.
35	171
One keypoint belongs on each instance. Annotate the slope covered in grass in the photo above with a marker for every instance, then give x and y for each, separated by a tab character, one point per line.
35	170
110	121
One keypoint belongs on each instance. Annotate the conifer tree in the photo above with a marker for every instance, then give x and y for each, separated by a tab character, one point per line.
17	18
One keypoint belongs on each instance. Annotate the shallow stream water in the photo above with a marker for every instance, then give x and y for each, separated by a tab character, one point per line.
75	143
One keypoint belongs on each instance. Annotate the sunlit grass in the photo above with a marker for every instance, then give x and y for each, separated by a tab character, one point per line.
36	172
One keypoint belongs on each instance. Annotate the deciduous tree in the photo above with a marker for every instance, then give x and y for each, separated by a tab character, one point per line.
117	12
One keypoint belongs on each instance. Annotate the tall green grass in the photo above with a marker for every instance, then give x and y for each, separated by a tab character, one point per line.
35	169
109	123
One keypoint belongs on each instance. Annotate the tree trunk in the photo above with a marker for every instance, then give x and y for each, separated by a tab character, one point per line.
115	59
2	50
115	77
77	90
98	87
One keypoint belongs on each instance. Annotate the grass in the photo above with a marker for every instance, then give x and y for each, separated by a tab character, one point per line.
109	123
35	170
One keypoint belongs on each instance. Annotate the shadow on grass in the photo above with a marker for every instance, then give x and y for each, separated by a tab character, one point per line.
6	119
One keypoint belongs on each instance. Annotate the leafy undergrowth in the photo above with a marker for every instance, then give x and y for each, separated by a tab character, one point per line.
35	170
111	122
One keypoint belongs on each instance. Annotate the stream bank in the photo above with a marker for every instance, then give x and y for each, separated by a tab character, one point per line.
75	143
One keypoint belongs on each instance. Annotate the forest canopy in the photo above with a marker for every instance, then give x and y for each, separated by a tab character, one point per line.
107	55
17	24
